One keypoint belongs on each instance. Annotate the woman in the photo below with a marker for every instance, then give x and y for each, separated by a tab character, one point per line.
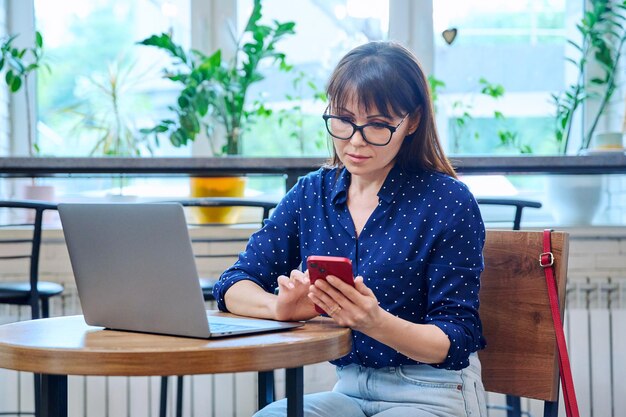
391	203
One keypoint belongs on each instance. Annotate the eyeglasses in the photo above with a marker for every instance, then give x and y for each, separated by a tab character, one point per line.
375	133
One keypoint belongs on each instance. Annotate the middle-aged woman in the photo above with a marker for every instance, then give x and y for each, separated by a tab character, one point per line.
390	201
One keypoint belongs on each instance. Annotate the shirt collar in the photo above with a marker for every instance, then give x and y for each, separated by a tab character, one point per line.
340	190
387	192
392	184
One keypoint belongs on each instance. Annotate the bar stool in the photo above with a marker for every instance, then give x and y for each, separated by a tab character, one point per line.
33	293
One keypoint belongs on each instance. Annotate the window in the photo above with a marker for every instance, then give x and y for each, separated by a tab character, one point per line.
519	46
101	81
325	31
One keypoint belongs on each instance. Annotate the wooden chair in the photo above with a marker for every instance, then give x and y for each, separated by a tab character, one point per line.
263	208
521	357
497	212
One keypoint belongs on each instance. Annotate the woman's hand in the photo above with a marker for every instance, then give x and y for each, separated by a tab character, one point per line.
355	307
292	302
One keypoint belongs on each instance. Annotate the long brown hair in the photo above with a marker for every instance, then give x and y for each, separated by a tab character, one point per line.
388	77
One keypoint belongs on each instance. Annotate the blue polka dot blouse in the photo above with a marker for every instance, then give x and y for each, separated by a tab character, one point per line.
420	252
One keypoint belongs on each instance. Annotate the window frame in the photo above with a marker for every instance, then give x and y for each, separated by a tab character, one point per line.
410	23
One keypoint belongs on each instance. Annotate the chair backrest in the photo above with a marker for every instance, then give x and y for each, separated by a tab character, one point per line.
30	218
521	354
507	203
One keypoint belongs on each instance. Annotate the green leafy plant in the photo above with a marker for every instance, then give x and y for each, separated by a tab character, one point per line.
19	64
108	110
461	126
603	35
215	90
508	138
293	117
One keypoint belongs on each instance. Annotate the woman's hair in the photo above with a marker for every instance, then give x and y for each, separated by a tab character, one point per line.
387	76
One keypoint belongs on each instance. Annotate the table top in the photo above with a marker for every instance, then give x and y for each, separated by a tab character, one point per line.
68	346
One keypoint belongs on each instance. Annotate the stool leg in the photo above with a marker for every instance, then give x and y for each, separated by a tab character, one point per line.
37	380
163	402
45	308
179	397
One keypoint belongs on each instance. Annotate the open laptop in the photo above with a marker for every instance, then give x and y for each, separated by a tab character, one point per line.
135	270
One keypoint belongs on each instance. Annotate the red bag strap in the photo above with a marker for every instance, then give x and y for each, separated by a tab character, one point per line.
546	260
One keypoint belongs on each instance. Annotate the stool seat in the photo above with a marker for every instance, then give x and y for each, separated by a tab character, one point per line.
16	291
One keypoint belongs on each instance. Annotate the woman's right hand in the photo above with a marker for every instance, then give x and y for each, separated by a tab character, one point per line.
292	302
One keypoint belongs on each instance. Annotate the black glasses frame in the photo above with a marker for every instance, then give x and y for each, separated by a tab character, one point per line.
355	127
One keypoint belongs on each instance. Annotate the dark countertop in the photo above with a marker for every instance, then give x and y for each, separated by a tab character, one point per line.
610	163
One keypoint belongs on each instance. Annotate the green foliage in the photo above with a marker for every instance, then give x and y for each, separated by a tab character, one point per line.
435	85
18	64
463	126
603	36
108	110
214	90
509	138
293	117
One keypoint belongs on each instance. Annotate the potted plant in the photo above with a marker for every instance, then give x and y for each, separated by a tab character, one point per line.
107	115
576	200
18	65
603	33
107	111
215	93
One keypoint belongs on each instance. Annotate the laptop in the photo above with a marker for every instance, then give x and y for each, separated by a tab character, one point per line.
135	270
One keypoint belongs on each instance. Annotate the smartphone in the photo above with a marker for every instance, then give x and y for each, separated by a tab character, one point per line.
321	266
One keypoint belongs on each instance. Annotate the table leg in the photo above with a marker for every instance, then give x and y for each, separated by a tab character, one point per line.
53	395
295	392
265	388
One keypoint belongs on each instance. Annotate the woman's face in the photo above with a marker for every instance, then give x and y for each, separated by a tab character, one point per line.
361	158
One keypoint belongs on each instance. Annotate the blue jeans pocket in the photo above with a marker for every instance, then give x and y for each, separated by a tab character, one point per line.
439	391
430	378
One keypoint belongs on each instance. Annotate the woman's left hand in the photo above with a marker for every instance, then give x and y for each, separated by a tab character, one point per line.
355	307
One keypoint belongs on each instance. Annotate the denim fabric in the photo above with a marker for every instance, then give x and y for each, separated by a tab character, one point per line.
403	391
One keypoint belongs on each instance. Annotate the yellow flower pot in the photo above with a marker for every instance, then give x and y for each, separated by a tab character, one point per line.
217	187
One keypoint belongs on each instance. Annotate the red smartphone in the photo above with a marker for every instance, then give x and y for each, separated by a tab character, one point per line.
321	266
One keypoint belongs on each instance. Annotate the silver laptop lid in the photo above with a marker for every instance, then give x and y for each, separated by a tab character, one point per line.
134	267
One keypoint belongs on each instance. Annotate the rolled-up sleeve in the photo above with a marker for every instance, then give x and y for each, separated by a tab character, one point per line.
453	274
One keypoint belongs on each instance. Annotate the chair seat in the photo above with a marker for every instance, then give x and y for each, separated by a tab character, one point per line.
20	291
207	288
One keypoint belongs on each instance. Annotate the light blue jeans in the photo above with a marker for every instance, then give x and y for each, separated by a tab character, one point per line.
403	391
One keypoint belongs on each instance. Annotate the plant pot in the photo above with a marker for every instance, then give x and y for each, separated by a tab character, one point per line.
40	193
217	187
574	200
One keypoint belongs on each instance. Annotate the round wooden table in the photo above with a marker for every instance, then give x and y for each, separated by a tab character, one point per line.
62	346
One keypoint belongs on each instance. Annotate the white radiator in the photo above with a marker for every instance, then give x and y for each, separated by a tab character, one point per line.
595	324
596	335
